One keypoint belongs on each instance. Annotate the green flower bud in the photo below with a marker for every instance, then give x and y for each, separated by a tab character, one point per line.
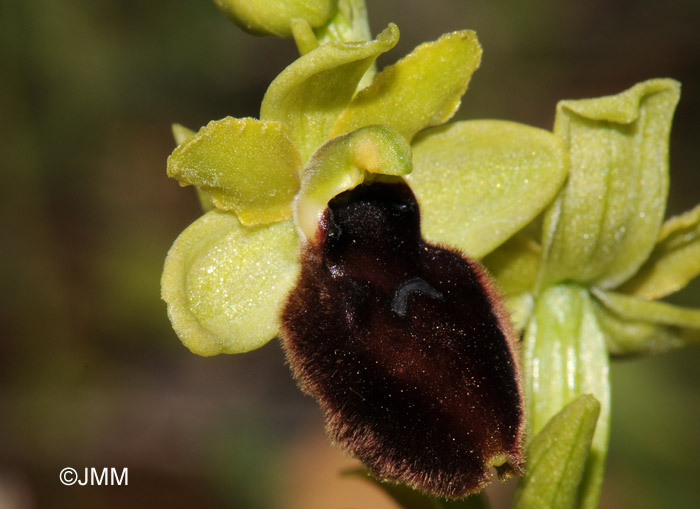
274	17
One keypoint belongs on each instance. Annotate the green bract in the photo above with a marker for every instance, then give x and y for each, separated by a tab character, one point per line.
618	148
564	356
558	456
318	136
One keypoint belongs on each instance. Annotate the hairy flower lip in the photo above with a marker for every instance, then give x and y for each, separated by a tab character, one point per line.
406	348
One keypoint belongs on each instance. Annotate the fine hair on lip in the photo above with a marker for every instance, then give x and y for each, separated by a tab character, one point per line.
406	347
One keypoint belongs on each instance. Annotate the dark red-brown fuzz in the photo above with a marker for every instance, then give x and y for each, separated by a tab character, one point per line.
405	346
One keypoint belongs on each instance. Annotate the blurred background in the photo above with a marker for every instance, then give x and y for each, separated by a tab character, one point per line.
91	374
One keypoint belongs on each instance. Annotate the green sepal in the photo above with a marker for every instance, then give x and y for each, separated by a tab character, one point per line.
479	182
312	92
225	283
557	456
274	17
603	226
636	326
564	357
422	89
673	263
248	166
342	164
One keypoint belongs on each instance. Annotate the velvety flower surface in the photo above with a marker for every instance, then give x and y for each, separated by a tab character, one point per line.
406	346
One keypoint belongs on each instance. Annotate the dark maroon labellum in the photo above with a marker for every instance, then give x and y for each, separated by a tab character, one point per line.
406	347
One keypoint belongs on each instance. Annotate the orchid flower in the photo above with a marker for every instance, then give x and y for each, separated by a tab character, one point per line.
568	221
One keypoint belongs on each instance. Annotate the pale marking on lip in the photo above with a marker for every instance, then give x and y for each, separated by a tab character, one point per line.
399	304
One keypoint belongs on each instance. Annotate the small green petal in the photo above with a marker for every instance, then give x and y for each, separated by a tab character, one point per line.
225	284
640	326
248	166
312	92
423	89
274	17
674	261
181	135
342	164
604	224
479	182
564	357
304	36
557	457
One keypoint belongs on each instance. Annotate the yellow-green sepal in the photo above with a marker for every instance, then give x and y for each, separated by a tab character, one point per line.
673	263
274	17
637	326
605	222
248	166
342	164
422	89
225	283
557	456
478	182
565	356
312	92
